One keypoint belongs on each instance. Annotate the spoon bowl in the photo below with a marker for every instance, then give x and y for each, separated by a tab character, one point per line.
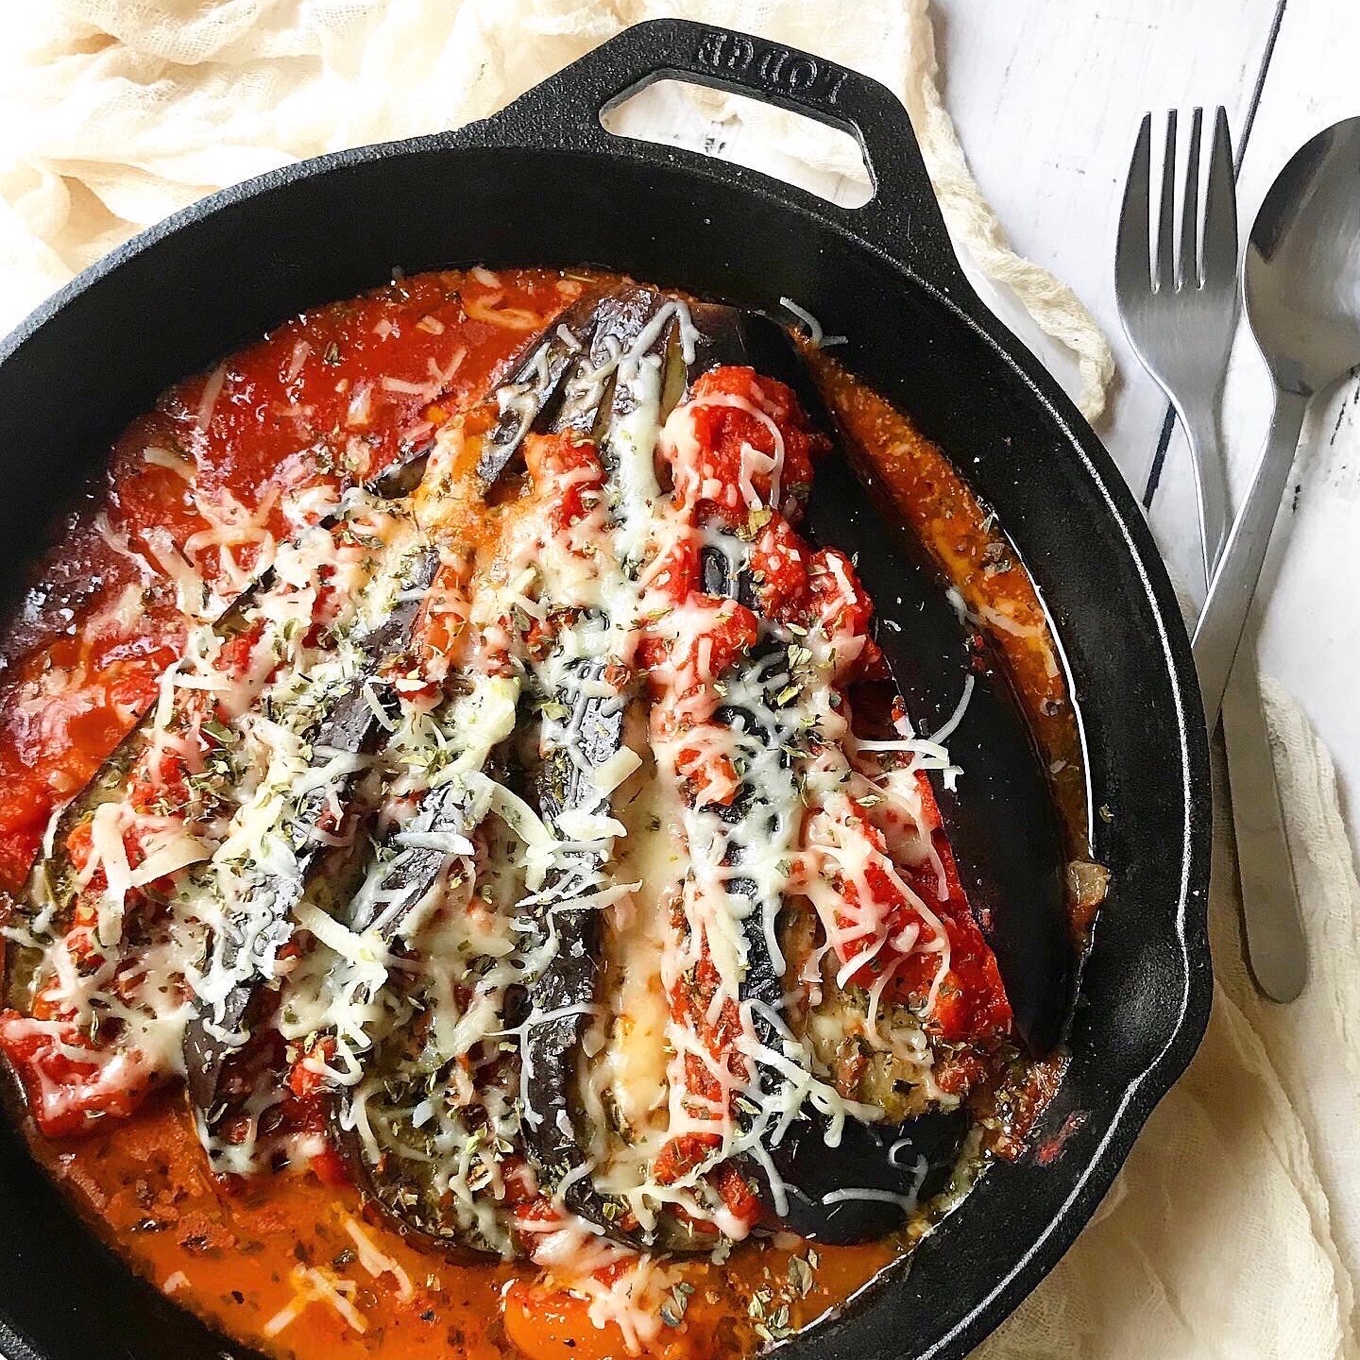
1302	270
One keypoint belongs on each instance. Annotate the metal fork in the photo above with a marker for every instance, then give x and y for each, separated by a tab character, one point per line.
1181	316
1179	309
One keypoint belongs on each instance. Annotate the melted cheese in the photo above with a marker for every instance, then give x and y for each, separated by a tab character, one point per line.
742	786
313	1284
623	1288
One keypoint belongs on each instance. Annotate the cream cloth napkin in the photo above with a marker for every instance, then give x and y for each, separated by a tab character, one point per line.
1234	1229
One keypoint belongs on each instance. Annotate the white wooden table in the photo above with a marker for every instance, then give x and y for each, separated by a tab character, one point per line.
1047	96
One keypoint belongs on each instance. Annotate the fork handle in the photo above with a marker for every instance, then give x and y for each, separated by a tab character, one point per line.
1211	483
1224	617
1272	924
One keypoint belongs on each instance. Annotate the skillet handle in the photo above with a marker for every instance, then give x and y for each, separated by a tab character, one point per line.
902	218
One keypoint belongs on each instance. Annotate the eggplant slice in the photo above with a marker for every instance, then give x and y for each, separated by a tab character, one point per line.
410	1192
404	1171
569	379
573	748
51	878
566	380
622	376
867	1184
535	384
254	931
1000	821
415	869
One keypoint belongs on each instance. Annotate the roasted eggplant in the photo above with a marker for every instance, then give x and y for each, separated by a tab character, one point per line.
861	1163
433	1181
572	749
432	1176
50	880
578	376
416	866
534	387
1000	820
215	1033
622	374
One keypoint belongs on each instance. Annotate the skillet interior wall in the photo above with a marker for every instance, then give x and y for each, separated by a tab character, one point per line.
169	310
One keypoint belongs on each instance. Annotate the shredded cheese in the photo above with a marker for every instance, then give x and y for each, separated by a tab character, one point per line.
693	796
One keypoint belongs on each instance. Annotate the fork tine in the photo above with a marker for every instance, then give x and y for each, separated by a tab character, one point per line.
1220	208
1133	251
1188	274
1165	277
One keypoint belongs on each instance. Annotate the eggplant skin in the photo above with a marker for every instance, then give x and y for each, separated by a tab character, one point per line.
571	976
213	1038
534	385
207	1055
901	1166
413	871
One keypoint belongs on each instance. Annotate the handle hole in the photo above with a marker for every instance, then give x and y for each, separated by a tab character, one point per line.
825	161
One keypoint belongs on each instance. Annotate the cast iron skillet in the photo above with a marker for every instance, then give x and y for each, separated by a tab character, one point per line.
543	183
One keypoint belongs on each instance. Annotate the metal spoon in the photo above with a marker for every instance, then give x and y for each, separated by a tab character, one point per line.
1301	282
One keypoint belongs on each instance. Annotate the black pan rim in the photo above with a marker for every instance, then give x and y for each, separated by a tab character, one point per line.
1145	1091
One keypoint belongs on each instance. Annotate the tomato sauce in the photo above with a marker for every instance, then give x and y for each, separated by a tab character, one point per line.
326	401
982	562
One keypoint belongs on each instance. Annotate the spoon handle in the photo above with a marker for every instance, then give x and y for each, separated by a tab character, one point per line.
1224	617
1276	950
1272	924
